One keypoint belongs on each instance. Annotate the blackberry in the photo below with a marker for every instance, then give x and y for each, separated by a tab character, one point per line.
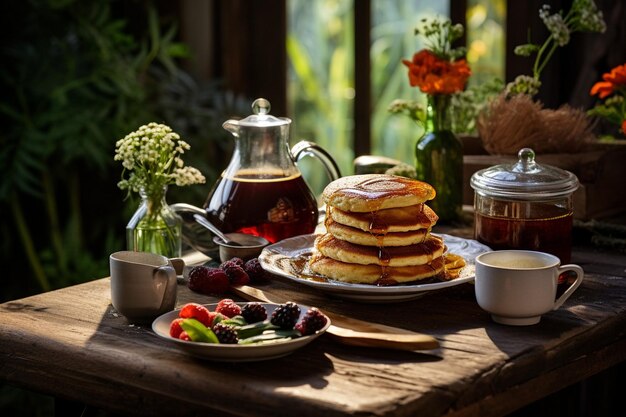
255	270
197	275
254	312
232	262
312	321
236	275
286	315
208	280
225	333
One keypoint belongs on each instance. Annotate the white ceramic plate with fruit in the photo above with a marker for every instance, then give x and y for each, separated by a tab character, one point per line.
242	335
289	258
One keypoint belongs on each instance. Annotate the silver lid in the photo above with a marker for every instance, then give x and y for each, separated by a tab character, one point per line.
524	180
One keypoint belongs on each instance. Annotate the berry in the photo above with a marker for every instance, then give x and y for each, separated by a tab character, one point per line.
286	315
225	333
236	275
300	327
196	311
312	321
255	271
228	308
215	318
232	261
254	312
184	336
208	280
175	329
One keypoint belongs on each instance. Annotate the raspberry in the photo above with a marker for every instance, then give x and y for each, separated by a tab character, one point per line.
213	316
255	270
254	312
196	311
312	321
184	336
286	315
225	333
232	262
228	308
300	327
236	275
208	280
175	329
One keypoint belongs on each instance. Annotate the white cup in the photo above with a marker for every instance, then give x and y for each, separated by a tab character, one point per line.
517	287
143	285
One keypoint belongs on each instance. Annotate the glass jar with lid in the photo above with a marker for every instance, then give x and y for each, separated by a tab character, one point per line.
525	205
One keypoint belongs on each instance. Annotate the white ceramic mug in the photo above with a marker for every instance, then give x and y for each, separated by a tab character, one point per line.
517	287
143	285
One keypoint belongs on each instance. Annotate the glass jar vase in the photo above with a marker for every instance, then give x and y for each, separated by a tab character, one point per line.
439	159
155	227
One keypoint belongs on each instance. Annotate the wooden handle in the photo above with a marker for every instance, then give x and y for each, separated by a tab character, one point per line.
352	331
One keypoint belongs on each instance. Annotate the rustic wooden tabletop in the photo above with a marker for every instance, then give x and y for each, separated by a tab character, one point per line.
72	344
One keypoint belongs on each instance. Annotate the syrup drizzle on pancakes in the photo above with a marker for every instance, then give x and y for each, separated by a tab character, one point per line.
379	223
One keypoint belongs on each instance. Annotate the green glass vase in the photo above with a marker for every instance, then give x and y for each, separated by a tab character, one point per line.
155	227
439	159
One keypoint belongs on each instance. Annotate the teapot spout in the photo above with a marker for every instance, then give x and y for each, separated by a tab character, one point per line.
232	126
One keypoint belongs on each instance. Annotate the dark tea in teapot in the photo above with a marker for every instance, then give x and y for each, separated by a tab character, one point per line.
261	192
265	204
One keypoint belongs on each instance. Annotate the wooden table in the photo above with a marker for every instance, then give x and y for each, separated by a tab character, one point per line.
72	344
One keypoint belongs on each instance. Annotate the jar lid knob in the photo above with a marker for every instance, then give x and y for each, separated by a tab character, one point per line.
261	106
526	160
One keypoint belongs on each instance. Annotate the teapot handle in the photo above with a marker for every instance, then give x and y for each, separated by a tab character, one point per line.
186	211
307	148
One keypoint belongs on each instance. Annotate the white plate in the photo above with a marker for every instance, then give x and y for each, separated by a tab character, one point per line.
235	353
289	258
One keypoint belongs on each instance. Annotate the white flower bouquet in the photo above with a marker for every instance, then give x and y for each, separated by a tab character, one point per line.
151	157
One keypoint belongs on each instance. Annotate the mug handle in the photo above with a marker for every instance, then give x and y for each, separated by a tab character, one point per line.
570	290
306	148
166	273
178	264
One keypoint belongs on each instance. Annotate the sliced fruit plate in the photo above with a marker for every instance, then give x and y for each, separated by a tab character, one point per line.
229	331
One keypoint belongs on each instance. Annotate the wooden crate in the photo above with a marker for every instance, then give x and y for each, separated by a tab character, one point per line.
601	172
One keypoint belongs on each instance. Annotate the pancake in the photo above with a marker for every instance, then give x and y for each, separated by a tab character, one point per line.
372	192
401	219
360	237
374	274
419	254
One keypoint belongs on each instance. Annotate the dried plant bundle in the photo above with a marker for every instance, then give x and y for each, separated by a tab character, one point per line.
508	125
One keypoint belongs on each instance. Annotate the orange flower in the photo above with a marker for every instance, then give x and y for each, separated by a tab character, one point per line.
436	76
624	126
612	81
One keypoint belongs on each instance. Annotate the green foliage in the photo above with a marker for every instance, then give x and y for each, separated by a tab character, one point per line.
583	16
320	47
393	39
465	106
81	77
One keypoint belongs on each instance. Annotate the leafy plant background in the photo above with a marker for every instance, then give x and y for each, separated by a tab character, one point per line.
76	77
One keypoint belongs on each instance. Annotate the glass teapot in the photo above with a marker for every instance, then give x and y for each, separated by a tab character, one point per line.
262	191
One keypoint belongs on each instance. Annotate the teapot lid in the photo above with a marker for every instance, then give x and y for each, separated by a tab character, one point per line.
524	180
261	117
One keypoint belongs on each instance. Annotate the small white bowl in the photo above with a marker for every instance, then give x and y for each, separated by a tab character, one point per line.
251	246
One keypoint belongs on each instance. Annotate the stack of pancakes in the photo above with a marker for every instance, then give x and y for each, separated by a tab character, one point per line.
378	232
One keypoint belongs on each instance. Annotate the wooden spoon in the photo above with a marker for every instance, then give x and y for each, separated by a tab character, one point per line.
351	331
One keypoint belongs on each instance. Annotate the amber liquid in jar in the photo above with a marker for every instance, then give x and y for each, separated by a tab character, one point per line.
263	204
528	226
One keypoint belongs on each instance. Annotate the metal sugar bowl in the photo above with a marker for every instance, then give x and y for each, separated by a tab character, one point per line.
525	205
